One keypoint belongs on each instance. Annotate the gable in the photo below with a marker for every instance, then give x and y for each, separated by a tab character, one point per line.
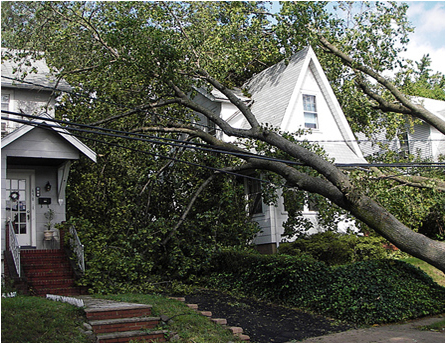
41	143
64	138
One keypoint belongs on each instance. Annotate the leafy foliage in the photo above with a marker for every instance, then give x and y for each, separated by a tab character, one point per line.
368	292
130	62
336	248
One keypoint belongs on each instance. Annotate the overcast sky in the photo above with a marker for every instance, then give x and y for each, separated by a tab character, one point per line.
428	17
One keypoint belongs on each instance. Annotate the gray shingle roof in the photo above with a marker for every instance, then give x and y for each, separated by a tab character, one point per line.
271	89
41	80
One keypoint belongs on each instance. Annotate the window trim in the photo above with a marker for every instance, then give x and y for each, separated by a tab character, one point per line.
310	112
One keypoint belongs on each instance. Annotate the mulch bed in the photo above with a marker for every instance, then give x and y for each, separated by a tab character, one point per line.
263	322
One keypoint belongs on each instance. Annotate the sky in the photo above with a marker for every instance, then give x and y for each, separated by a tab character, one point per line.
428	17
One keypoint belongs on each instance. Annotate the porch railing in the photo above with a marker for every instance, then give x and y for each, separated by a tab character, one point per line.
14	247
77	248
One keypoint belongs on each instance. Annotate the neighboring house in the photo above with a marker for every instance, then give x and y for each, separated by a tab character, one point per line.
290	95
35	159
423	140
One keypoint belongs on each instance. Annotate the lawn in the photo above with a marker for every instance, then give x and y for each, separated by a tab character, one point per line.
29	319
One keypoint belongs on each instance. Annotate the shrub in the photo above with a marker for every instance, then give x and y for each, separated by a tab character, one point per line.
368	292
286	279
336	248
381	291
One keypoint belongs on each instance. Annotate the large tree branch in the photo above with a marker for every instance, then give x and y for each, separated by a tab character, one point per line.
246	111
416	110
383	104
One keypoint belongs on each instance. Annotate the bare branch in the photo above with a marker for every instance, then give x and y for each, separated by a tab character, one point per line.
188	208
413	181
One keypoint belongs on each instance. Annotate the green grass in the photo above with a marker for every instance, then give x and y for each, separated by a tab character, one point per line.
190	326
437	275
27	319
437	326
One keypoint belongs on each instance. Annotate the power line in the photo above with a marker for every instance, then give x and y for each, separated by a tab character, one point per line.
189	145
373	141
47	126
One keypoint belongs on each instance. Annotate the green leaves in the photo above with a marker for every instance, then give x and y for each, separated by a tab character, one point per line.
375	291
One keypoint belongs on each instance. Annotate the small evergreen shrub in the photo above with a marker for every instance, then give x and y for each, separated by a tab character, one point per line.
368	292
336	248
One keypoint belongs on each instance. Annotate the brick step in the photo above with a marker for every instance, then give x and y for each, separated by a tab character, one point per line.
41	260
124	324
45	274
126	337
45	268
118	312
39	284
68	291
53	252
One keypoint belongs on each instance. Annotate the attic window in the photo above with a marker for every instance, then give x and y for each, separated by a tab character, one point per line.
310	113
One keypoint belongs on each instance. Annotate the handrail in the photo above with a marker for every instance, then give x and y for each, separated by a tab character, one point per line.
78	248
14	247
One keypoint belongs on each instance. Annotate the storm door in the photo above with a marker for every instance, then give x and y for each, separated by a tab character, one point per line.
18	206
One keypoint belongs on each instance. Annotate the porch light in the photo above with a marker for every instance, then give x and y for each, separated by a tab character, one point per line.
48	187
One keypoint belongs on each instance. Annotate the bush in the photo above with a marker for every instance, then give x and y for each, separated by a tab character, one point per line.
336	248
375	291
381	291
271	277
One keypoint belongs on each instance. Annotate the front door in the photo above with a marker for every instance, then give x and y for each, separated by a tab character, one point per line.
18	206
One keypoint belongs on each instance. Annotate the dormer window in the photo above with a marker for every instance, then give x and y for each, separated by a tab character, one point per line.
310	112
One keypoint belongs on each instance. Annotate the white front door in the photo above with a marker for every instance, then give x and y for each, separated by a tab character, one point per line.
19	207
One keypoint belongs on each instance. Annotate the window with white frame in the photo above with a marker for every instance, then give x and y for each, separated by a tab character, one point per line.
5	107
310	111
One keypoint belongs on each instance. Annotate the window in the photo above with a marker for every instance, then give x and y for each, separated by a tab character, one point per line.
254	191
310	112
404	142
5	107
5	102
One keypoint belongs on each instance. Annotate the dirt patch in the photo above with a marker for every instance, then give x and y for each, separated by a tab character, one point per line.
263	322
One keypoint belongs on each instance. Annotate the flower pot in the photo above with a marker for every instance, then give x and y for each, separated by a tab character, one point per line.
48	235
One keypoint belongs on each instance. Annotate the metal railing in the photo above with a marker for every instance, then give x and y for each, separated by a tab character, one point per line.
14	247
77	248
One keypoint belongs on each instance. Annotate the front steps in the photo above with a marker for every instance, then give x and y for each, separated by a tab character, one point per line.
48	272
120	322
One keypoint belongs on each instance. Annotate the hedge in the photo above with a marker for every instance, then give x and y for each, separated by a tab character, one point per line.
369	292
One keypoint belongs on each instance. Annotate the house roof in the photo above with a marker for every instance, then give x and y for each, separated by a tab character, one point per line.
274	92
55	127
437	107
38	75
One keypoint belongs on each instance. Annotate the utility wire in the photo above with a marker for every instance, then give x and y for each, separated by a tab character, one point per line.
199	124
47	126
188	145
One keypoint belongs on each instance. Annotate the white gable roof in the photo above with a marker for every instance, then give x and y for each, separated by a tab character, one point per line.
275	93
22	130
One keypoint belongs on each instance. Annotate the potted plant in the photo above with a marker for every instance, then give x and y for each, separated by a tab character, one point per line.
48	232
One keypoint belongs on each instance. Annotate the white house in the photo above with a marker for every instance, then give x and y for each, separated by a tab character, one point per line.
291	95
423	140
35	158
